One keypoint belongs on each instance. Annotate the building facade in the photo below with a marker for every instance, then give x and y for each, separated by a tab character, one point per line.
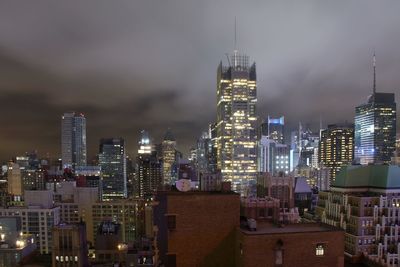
168	157
149	171
273	157
274	128
236	122
73	140
112	159
300	245
37	221
196	228
70	247
375	129
364	201
336	148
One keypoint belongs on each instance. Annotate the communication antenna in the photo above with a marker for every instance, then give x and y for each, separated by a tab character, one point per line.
235	52
374	66
234	48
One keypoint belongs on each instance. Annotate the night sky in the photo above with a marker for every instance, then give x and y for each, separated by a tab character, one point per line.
131	65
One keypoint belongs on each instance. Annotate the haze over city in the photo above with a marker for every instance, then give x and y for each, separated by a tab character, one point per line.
150	65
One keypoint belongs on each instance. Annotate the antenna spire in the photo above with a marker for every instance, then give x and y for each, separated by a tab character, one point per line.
374	66
235	36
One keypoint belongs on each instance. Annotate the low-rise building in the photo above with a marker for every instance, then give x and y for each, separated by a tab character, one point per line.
15	246
37	221
365	202
300	245
70	246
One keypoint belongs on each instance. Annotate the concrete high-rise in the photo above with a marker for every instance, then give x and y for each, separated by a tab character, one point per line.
236	121
168	157
112	159
73	140
336	148
375	128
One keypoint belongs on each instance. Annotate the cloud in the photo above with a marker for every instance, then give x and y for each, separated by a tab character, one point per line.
130	65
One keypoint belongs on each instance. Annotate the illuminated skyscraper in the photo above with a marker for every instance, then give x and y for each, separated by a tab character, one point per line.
145	146
112	160
168	157
73	139
149	168
273	128
336	148
375	127
236	121
273	157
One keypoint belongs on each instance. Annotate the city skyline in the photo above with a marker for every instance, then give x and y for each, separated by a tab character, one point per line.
45	75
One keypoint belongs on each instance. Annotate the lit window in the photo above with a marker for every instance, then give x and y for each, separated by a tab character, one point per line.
320	250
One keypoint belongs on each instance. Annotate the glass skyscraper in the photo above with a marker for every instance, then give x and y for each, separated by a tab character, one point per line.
73	140
375	128
236	122
112	160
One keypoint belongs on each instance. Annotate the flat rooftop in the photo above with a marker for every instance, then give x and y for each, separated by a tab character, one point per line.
196	192
264	227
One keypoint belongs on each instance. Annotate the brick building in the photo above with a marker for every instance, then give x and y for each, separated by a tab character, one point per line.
299	245
196	228
205	229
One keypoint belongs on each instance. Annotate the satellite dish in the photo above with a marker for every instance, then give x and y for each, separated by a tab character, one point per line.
183	185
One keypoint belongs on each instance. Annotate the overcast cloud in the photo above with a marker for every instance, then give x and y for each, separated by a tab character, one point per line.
131	65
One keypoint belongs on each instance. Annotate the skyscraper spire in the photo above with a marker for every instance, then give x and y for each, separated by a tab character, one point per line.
235	48
374	65
235	52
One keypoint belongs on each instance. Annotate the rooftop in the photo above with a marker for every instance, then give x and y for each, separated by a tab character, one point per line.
265	227
368	176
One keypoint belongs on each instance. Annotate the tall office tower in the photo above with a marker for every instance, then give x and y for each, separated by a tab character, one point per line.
212	148
14	181
336	148
274	129
272	157
236	122
112	160
168	157
149	168
375	127
73	140
204	159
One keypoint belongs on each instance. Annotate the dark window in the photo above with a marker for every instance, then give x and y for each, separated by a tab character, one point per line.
171	260
171	222
262	212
